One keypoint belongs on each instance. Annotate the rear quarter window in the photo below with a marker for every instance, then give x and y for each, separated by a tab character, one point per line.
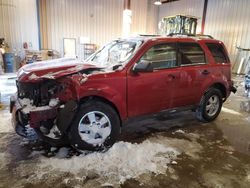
218	53
191	54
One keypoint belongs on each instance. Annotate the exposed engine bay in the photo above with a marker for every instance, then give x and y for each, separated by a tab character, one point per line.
47	106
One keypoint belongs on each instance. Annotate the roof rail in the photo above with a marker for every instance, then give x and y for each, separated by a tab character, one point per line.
145	35
205	36
191	35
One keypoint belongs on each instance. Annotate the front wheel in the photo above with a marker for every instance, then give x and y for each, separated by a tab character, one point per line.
210	105
96	126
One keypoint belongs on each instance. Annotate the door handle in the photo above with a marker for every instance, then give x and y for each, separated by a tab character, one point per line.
172	76
205	72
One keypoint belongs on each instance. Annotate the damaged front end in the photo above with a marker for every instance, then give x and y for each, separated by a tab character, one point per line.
45	108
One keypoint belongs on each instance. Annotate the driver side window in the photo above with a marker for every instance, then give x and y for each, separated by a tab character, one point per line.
161	56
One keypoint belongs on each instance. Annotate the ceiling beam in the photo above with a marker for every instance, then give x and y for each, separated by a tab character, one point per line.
167	1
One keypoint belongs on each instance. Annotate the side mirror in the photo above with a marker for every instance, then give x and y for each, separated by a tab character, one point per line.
143	66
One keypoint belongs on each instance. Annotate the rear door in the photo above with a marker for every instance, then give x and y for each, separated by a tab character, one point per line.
220	58
151	92
194	70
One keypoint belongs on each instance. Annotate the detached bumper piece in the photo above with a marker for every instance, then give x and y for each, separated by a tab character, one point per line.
36	117
233	89
21	128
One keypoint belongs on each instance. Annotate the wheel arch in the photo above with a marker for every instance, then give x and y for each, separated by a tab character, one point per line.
220	87
104	100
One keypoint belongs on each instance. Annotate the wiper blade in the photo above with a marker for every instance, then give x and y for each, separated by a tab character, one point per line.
115	67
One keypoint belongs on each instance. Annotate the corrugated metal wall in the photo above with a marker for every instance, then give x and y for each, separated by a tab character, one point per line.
99	20
144	14
229	21
226	20
18	23
185	7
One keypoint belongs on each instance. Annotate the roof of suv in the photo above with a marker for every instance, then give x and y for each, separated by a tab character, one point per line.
176	36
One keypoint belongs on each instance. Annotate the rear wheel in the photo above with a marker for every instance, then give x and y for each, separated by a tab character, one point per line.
210	105
97	126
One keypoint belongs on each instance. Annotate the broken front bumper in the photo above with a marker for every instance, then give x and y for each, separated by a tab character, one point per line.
23	123
20	128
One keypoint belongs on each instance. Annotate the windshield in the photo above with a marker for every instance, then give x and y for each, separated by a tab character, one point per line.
117	52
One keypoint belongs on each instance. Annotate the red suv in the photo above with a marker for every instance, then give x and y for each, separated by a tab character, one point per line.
67	101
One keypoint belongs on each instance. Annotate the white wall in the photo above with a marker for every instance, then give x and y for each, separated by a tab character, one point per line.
18	23
144	17
229	21
99	20
226	20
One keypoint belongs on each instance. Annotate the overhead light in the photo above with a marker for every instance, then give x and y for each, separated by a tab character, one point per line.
158	2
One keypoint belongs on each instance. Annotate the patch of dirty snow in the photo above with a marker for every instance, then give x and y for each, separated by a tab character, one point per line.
62	153
223	180
107	185
121	162
53	102
52	149
55	63
248	119
5	119
36	153
174	162
33	76
24	142
4	160
27	106
179	131
245	106
230	111
191	148
248	177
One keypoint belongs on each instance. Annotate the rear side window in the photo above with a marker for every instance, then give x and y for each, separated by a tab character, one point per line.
162	56
218	52
191	54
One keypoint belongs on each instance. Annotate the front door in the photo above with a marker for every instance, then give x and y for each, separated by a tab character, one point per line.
150	92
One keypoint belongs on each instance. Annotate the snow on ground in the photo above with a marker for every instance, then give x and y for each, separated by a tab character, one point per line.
179	131
227	110
8	83
2	160
121	162
5	122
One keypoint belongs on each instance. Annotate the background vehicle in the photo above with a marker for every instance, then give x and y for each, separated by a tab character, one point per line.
86	103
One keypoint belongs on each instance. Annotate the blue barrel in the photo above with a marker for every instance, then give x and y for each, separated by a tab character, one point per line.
9	61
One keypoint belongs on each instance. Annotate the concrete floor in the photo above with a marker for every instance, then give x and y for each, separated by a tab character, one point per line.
210	155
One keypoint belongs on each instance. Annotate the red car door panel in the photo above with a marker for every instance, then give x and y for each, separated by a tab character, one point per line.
150	92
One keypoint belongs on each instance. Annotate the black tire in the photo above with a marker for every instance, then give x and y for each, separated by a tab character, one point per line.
63	141
90	106
201	112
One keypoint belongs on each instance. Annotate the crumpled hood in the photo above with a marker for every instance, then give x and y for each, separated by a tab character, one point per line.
51	69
